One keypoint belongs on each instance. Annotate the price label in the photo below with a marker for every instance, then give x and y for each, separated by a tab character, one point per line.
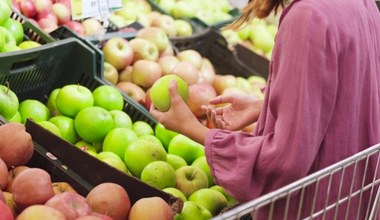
103	8
84	9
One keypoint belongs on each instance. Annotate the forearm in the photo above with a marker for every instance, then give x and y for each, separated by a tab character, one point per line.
194	130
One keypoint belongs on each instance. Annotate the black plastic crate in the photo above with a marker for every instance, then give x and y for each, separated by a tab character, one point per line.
31	31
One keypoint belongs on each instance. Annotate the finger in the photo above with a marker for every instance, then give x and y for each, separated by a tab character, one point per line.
173	89
221	99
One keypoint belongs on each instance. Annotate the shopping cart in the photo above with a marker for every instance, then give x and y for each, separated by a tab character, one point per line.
302	199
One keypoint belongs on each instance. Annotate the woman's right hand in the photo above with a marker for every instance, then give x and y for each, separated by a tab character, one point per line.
233	112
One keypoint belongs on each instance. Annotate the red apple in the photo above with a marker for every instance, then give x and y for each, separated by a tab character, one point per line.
31	187
126	74
143	50
166	23
27	8
40	212
43	5
62	12
49	15
187	71
2	196
110	73
148	101
70	204
48	25
5	211
145	73
192	56
76	27
151	208
222	82
169	51
200	94
167	64
92	26
3	174
132	90
109	199
207	71
12	174
61	187
118	52
156	36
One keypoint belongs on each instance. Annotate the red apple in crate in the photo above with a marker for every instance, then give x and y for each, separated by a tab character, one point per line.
49	15
76	27
110	73
36	212
207	71
31	187
12	174
43	6
92	26
222	82
2	196
3	174
126	74
166	23
109	199
70	204
191	56
61	187
5	211
186	71
132	90
48	25
169	51
118	52
145	73
62	12
151	208
17	148
168	64
143	50
27	8
156	36
200	94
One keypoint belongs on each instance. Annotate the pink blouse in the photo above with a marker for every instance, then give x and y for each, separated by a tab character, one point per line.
322	101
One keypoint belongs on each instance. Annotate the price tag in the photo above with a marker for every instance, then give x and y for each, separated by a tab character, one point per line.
103	8
84	9
114	5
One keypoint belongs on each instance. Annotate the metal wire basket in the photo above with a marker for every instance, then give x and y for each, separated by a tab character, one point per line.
316	197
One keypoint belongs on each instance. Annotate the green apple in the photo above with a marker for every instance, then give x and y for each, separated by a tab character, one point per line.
155	35
66	127
261	38
52	104
202	164
212	200
9	102
93	123
186	148
190	179
113	160
15	118
33	109
5	12
72	98
159	92
193	211
140	153
182	9
108	97
151	137
167	5
2	40
9	43
184	28
87	147
117	140
121	119
28	44
16	29
50	126
165	135
9	48
175	192
176	161
158	174
142	127
244	31
231	200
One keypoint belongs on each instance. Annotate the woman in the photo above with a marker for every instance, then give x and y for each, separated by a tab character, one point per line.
322	104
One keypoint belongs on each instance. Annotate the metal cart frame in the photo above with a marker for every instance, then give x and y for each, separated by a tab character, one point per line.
369	159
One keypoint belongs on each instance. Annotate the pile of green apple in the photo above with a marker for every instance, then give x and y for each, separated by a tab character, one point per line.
210	12
257	35
141	11
12	31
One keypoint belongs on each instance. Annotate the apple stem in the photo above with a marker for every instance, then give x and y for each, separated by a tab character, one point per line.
7	85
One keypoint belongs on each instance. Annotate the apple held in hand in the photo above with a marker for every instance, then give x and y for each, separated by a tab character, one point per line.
190	179
33	109
118	52
93	124
108	97
71	99
9	103
159	174
159	93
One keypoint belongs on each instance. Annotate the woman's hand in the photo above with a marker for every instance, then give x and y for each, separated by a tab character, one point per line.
233	112
179	118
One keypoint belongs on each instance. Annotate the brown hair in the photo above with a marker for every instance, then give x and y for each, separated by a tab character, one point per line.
256	8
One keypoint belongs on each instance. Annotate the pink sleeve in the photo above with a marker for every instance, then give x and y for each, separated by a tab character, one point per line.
299	102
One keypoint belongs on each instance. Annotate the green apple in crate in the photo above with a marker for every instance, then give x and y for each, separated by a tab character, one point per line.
202	164
176	161
164	134
87	147
67	128
159	174
190	179
113	160
231	200
33	109
212	200
51	127
121	119
117	141
5	11
16	29
9	102
193	211
186	148
108	97
72	98
175	192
